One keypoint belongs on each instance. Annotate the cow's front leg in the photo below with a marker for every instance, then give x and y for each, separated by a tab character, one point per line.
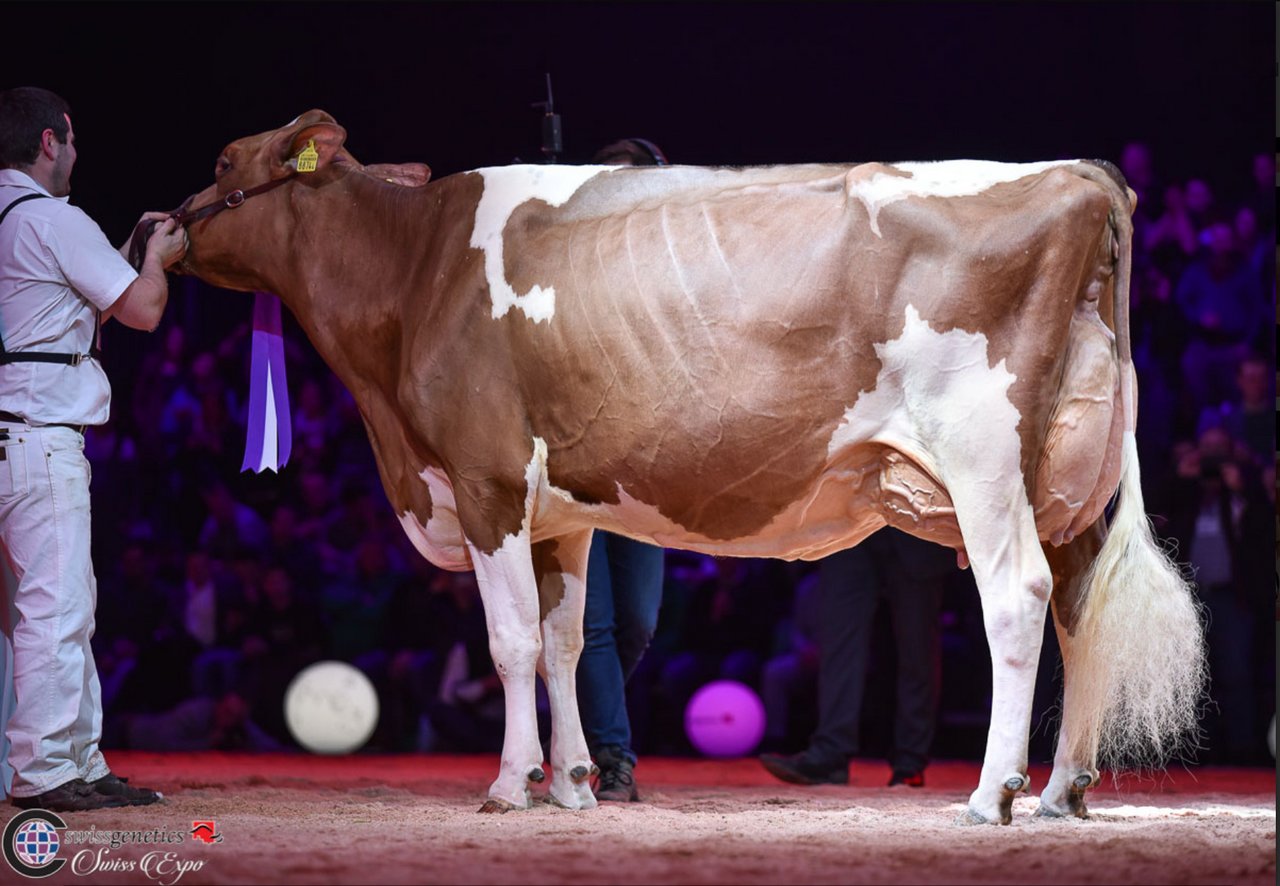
561	568
510	596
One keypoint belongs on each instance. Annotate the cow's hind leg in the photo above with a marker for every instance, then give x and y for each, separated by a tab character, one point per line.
957	401
510	596
981	467
1014	584
561	568
1064	795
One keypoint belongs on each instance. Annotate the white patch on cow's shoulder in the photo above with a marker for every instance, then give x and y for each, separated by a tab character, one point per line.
440	541
505	188
939	401
949	178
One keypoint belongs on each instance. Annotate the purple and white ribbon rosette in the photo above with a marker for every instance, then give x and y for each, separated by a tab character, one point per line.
270	433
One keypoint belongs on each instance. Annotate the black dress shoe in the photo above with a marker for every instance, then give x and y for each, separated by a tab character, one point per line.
911	778
804	769
111	786
76	795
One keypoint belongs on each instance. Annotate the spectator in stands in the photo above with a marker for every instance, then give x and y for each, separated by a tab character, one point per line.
1250	418
230	524
285	635
1222	301
1218	496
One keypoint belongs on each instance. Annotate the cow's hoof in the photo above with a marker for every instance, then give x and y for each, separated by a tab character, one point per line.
971	816
1001	812
496	806
536	775
574	795
1073	805
1048	810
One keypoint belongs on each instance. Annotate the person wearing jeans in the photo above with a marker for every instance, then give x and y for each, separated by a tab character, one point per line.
624	591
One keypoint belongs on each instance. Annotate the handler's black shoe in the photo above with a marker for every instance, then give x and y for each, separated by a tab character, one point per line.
910	777
804	769
617	780
76	795
112	786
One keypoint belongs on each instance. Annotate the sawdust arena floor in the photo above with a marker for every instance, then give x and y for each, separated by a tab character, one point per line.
412	819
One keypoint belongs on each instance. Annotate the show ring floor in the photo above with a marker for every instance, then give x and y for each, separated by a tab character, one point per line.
412	819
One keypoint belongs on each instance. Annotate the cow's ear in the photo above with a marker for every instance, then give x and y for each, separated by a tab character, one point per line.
408	175
295	149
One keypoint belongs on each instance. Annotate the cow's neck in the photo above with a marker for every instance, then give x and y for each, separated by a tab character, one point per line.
349	257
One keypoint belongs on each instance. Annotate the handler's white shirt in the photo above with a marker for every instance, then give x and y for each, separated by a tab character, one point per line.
57	269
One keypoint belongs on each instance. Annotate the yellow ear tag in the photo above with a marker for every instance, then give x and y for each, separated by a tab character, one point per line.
307	159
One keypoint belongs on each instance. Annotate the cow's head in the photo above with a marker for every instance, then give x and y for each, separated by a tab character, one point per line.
237	247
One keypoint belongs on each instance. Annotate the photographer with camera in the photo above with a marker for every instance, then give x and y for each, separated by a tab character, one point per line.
1217	495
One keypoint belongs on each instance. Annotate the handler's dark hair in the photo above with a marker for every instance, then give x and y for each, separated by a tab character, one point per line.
631	152
25	113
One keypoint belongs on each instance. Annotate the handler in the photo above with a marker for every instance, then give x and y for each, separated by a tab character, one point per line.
58	277
624	593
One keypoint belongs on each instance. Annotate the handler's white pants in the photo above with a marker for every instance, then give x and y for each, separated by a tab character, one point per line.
56	721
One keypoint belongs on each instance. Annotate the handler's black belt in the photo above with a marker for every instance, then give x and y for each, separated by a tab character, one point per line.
7	357
13	417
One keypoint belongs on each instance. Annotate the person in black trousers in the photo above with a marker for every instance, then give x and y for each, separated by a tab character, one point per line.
909	575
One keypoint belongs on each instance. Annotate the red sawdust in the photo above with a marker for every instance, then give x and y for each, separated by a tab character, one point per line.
412	819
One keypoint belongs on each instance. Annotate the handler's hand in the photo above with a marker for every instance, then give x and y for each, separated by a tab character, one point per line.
168	243
126	248
152	216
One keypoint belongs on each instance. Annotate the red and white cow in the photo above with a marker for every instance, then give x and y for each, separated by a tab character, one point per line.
769	362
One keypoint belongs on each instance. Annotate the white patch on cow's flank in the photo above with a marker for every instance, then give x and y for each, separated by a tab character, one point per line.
936	392
948	178
506	188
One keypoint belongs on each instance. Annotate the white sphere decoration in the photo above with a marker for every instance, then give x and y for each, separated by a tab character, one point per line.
331	708
725	718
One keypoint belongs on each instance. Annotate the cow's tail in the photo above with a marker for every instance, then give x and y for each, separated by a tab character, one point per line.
1137	669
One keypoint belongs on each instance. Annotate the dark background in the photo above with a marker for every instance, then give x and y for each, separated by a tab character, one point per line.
158	89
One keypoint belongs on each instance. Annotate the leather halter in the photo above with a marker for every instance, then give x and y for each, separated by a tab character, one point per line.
233	200
142	233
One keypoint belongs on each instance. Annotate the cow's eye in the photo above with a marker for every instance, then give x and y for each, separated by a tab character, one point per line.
221	166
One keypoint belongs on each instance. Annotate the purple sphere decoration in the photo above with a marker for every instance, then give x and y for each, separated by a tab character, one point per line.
724	719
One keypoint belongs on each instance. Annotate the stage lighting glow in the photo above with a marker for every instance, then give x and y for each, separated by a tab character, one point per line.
1099	811
724	719
1208	810
331	708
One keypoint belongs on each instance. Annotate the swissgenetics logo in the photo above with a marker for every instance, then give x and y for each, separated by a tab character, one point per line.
31	842
34	840
206	831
